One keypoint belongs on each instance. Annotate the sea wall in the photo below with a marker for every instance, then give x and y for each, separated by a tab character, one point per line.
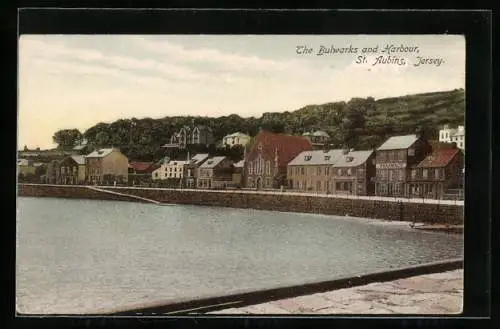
329	205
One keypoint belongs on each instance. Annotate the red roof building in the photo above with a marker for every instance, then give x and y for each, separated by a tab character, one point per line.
139	167
437	172
266	162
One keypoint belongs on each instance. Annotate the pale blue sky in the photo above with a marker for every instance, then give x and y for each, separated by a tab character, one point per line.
71	81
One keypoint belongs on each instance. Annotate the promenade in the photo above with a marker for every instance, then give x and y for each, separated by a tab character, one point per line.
436	294
267	192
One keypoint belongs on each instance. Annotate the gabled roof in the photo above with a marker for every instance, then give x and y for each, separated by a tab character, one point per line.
398	142
199	158
320	133
288	146
212	162
176	163
237	134
438	158
100	153
79	159
317	157
239	164
353	159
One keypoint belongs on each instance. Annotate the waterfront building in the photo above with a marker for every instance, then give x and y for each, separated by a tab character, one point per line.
71	170
25	167
236	139
215	172
312	170
196	135
268	157
354	173
318	138
141	172
191	168
453	135
238	170
439	172
394	160
106	166
173	169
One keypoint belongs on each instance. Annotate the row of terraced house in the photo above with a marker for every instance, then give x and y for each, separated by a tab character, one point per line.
406	165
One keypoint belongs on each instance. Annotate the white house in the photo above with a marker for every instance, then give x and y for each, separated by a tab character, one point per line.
170	169
236	139
449	135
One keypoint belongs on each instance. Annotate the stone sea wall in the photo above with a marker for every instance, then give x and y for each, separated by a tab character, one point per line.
377	209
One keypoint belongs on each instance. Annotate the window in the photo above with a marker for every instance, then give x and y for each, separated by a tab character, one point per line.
414	173
327	170
268	167
424	173
325	184
318	185
302	170
397	188
318	171
437	173
349	171
337	186
307	157
250	167
339	172
268	182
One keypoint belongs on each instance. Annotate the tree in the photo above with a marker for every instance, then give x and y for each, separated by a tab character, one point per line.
67	138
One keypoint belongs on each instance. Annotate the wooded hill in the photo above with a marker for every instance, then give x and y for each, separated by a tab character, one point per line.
360	123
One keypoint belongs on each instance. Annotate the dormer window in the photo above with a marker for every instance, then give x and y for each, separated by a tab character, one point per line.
327	157
307	157
349	159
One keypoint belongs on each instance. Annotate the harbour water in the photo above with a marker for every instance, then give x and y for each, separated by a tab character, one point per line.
86	256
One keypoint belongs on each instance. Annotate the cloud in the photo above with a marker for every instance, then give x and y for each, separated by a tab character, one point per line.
230	61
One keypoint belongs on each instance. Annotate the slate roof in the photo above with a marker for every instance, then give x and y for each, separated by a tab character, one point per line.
438	158
237	134
99	153
79	159
239	164
198	158
399	142
212	162
317	157
320	133
357	158
288	146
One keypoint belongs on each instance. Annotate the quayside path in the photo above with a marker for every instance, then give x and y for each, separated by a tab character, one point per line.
267	192
438	293
124	195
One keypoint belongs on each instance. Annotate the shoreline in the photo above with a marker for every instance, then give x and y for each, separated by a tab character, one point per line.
359	207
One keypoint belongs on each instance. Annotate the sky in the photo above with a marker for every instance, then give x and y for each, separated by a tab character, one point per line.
77	81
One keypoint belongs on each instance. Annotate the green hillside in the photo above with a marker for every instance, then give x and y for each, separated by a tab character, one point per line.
358	123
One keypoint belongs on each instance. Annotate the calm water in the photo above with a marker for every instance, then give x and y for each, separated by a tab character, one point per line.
83	256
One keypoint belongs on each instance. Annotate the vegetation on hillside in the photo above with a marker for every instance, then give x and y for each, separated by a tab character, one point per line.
359	123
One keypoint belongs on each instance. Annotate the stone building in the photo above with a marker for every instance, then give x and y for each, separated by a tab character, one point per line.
191	169
394	159
312	170
268	157
215	172
318	138
236	139
196	135
106	166
71	170
453	135
353	173
437	173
